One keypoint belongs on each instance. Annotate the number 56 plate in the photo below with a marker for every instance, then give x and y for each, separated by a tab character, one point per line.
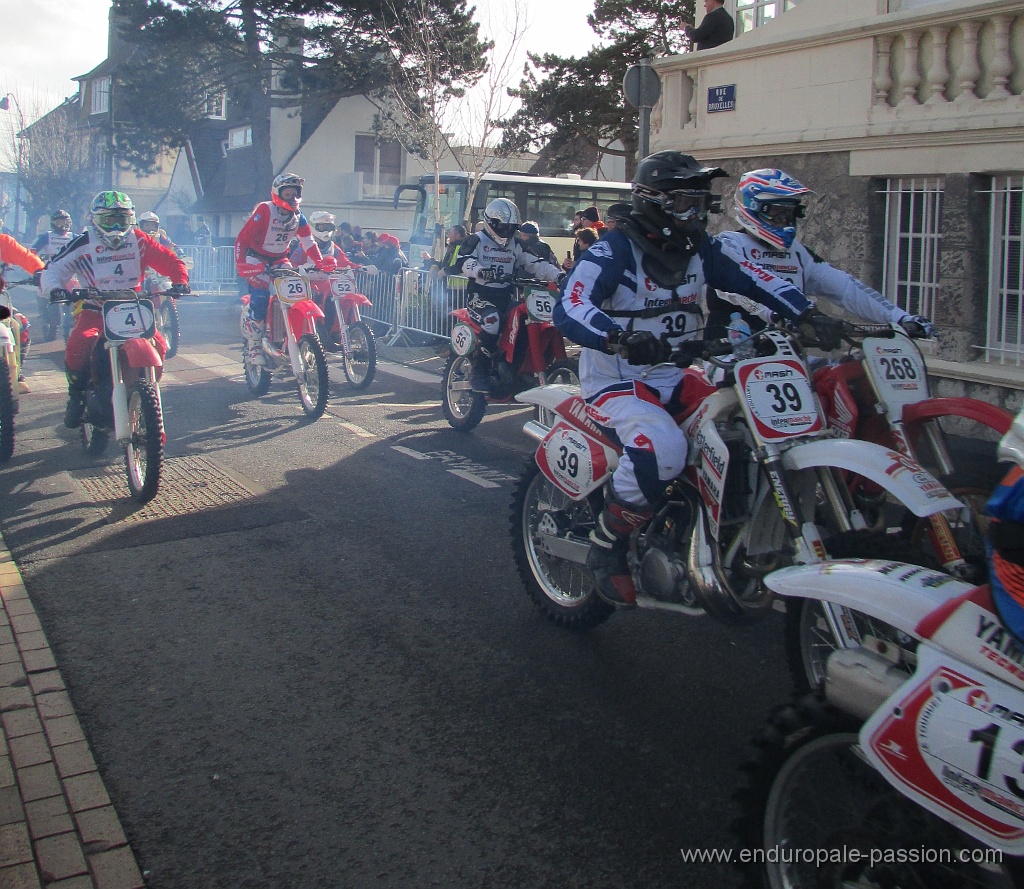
778	398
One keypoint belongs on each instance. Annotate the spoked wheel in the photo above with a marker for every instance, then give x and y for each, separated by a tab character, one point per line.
565	371
312	382
94	439
360	358
809	636
463	408
812	799
550	541
169	325
144	452
257	378
6	411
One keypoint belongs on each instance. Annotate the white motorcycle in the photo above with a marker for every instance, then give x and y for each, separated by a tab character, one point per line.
907	769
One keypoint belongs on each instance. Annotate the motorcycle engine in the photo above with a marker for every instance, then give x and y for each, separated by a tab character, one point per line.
664	549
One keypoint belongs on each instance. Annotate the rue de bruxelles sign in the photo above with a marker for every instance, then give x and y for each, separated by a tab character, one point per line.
722	98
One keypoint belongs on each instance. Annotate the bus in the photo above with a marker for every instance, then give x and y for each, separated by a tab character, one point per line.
551	202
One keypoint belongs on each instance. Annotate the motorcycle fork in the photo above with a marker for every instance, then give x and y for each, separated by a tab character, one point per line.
119	395
342	319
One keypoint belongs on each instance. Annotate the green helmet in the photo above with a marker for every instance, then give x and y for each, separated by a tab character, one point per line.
113	216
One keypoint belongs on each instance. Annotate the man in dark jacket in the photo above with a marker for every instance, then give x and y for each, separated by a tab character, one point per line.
529	237
716	29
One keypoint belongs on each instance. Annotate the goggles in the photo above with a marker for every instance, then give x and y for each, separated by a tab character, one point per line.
149	227
780	215
114	220
687	204
324	227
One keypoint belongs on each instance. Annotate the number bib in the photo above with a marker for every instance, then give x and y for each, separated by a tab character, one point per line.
953	740
463	339
291	289
128	319
897	372
778	398
343	283
576	463
540	302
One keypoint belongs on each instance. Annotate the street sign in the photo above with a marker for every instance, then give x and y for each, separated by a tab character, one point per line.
722	98
641	86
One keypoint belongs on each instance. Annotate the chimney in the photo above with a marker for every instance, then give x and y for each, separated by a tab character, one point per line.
118	22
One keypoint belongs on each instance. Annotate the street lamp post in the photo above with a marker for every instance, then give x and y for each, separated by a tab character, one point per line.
5	104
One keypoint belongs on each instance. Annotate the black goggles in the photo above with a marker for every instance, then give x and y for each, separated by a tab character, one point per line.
324	227
687	204
781	215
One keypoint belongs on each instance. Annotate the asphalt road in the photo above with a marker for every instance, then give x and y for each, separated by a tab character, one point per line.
310	663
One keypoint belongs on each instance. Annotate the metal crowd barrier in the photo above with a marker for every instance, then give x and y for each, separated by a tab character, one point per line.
213	269
415	302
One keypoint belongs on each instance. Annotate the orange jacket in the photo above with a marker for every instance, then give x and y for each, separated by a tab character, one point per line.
13	253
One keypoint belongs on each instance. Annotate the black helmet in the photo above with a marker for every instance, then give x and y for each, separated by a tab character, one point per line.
672	192
60	221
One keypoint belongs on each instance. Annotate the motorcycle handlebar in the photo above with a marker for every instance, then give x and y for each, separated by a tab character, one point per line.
60	295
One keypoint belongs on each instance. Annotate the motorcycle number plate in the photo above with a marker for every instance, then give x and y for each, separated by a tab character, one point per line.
540	303
128	319
463	339
952	739
343	283
778	398
576	463
897	372
291	289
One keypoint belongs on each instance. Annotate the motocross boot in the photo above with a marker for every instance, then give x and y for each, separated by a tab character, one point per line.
254	333
480	375
74	413
609	546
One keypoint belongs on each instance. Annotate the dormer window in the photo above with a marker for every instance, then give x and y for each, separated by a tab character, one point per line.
100	101
214	105
239	137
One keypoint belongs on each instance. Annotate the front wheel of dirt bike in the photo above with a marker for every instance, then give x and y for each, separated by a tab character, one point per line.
257	378
6	411
144	453
809	637
169	325
312	382
809	787
462	407
565	371
360	359
550	542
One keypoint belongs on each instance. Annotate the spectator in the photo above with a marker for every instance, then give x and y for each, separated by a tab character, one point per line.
368	249
577	221
389	257
456	235
585	237
529	237
592	219
614	213
343	229
204	237
716	29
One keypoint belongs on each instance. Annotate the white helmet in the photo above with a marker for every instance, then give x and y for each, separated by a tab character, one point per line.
149	222
501	220
323	225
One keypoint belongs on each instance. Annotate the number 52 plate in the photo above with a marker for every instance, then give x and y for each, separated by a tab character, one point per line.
778	398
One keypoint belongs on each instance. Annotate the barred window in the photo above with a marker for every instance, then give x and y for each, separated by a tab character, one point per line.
1005	337
912	234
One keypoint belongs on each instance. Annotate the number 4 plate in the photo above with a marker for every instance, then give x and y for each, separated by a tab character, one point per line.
778	398
128	319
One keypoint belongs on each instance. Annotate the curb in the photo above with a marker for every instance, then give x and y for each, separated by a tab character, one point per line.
58	828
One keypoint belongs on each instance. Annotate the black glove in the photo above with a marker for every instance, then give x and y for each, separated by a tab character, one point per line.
180	290
639	347
36	277
487	274
59	295
818	329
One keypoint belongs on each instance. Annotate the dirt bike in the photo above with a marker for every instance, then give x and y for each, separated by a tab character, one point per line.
898	773
544	360
123	395
760	464
290	343
167	320
348	333
879	392
13	328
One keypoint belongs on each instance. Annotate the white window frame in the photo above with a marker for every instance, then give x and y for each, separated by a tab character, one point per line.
239	137
99	101
759	7
912	283
219	102
373	189
1005	328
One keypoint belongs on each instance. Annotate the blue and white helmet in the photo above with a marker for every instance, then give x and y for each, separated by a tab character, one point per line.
768	204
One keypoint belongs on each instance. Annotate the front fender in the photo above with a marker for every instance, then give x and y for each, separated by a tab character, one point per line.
299	313
141	353
969	408
901	476
901	595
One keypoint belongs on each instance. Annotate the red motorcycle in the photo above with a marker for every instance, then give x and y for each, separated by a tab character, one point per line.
544	360
345	332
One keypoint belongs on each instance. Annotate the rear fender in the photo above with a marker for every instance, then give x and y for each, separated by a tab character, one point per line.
901	595
990	415
901	476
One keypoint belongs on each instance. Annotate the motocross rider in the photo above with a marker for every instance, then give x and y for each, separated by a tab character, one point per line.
12	253
111	254
323	225
51	242
767	203
492	259
640	282
264	241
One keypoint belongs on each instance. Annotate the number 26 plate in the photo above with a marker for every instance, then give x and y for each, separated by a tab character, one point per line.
778	397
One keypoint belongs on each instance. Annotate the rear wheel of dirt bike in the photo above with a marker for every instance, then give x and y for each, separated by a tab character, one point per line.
462	407
313	383
550	542
809	638
257	378
360	361
169	325
6	411
565	371
144	453
94	439
810	788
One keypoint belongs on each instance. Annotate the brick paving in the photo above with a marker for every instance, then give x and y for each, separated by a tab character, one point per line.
57	827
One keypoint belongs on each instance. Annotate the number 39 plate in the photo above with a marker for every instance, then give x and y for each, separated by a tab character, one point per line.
778	398
576	463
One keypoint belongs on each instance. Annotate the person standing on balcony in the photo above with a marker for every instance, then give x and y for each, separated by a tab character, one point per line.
716	29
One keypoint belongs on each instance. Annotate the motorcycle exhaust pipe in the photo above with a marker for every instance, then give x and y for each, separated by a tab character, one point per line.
535	430
700	568
858	681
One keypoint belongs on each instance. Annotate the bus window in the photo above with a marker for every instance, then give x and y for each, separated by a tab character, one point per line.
452	198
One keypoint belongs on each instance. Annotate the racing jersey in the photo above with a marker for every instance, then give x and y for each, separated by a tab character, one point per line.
267	235
97	265
12	253
609	290
809	272
50	243
479	250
